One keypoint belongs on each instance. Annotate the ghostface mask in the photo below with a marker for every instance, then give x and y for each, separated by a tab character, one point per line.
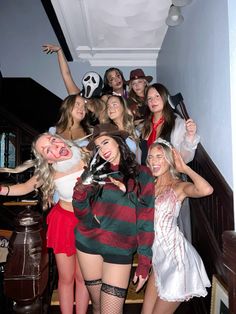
92	85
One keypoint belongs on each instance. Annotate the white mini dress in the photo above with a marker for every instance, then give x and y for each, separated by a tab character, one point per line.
178	269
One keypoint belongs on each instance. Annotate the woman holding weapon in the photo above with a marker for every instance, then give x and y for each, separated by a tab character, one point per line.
162	122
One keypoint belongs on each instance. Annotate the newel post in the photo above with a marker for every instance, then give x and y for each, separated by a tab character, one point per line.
26	270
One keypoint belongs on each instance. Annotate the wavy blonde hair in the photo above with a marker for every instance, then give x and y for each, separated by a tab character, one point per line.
43	170
128	118
98	110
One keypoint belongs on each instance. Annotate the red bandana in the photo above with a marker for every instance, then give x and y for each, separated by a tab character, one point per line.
153	135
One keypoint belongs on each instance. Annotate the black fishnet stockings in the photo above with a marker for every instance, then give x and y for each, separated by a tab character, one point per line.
94	289
112	299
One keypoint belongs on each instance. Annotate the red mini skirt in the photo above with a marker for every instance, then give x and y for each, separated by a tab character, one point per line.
60	232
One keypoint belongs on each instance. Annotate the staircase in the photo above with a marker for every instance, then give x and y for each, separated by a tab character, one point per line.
133	302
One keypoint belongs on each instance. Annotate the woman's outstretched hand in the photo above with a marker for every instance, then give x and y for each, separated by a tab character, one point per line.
49	48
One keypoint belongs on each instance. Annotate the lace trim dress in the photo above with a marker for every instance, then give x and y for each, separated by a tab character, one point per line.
178	269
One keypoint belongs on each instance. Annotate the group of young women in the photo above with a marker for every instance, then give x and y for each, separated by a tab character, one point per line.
118	185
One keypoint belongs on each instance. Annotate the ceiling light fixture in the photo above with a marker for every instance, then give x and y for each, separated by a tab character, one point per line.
181	3
174	17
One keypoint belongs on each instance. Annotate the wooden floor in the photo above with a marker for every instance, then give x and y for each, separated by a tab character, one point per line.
128	309
184	308
133	303
132	297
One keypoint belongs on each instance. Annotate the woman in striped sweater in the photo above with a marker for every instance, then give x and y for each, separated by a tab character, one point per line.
115	220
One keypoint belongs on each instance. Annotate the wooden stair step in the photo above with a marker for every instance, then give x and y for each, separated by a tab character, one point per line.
132	296
135	260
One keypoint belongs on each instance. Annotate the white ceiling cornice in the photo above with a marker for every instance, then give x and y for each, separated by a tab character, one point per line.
109	33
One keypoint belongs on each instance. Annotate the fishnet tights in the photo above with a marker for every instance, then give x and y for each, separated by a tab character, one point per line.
112	299
94	289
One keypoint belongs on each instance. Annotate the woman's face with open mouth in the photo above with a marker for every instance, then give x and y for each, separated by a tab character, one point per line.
52	148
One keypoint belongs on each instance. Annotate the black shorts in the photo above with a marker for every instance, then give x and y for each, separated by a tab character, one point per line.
112	259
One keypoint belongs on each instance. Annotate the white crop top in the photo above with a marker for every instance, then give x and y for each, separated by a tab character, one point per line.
64	186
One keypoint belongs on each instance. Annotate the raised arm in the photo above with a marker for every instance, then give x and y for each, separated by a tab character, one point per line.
71	87
21	188
199	187
184	138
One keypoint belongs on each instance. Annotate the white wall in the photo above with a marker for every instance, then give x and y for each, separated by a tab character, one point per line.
195	61
232	49
24	27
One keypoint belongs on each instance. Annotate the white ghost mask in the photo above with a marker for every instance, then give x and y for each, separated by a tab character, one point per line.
92	83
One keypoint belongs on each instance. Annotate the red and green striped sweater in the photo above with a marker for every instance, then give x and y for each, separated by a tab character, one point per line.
126	220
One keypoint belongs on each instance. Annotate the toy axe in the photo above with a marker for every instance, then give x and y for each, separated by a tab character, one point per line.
175	101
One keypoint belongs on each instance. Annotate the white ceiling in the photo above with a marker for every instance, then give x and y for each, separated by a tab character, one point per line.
113	33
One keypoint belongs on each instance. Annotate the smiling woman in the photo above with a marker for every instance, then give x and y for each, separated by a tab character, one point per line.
115	219
73	122
178	271
119	114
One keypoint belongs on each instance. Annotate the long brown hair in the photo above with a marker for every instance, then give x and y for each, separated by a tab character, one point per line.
167	113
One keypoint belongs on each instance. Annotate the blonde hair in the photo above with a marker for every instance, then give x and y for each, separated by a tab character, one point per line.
168	156
26	165
128	118
43	170
97	108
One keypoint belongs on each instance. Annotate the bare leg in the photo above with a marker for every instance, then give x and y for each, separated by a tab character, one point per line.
152	304
114	287
165	307
66	277
81	291
150	296
91	268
